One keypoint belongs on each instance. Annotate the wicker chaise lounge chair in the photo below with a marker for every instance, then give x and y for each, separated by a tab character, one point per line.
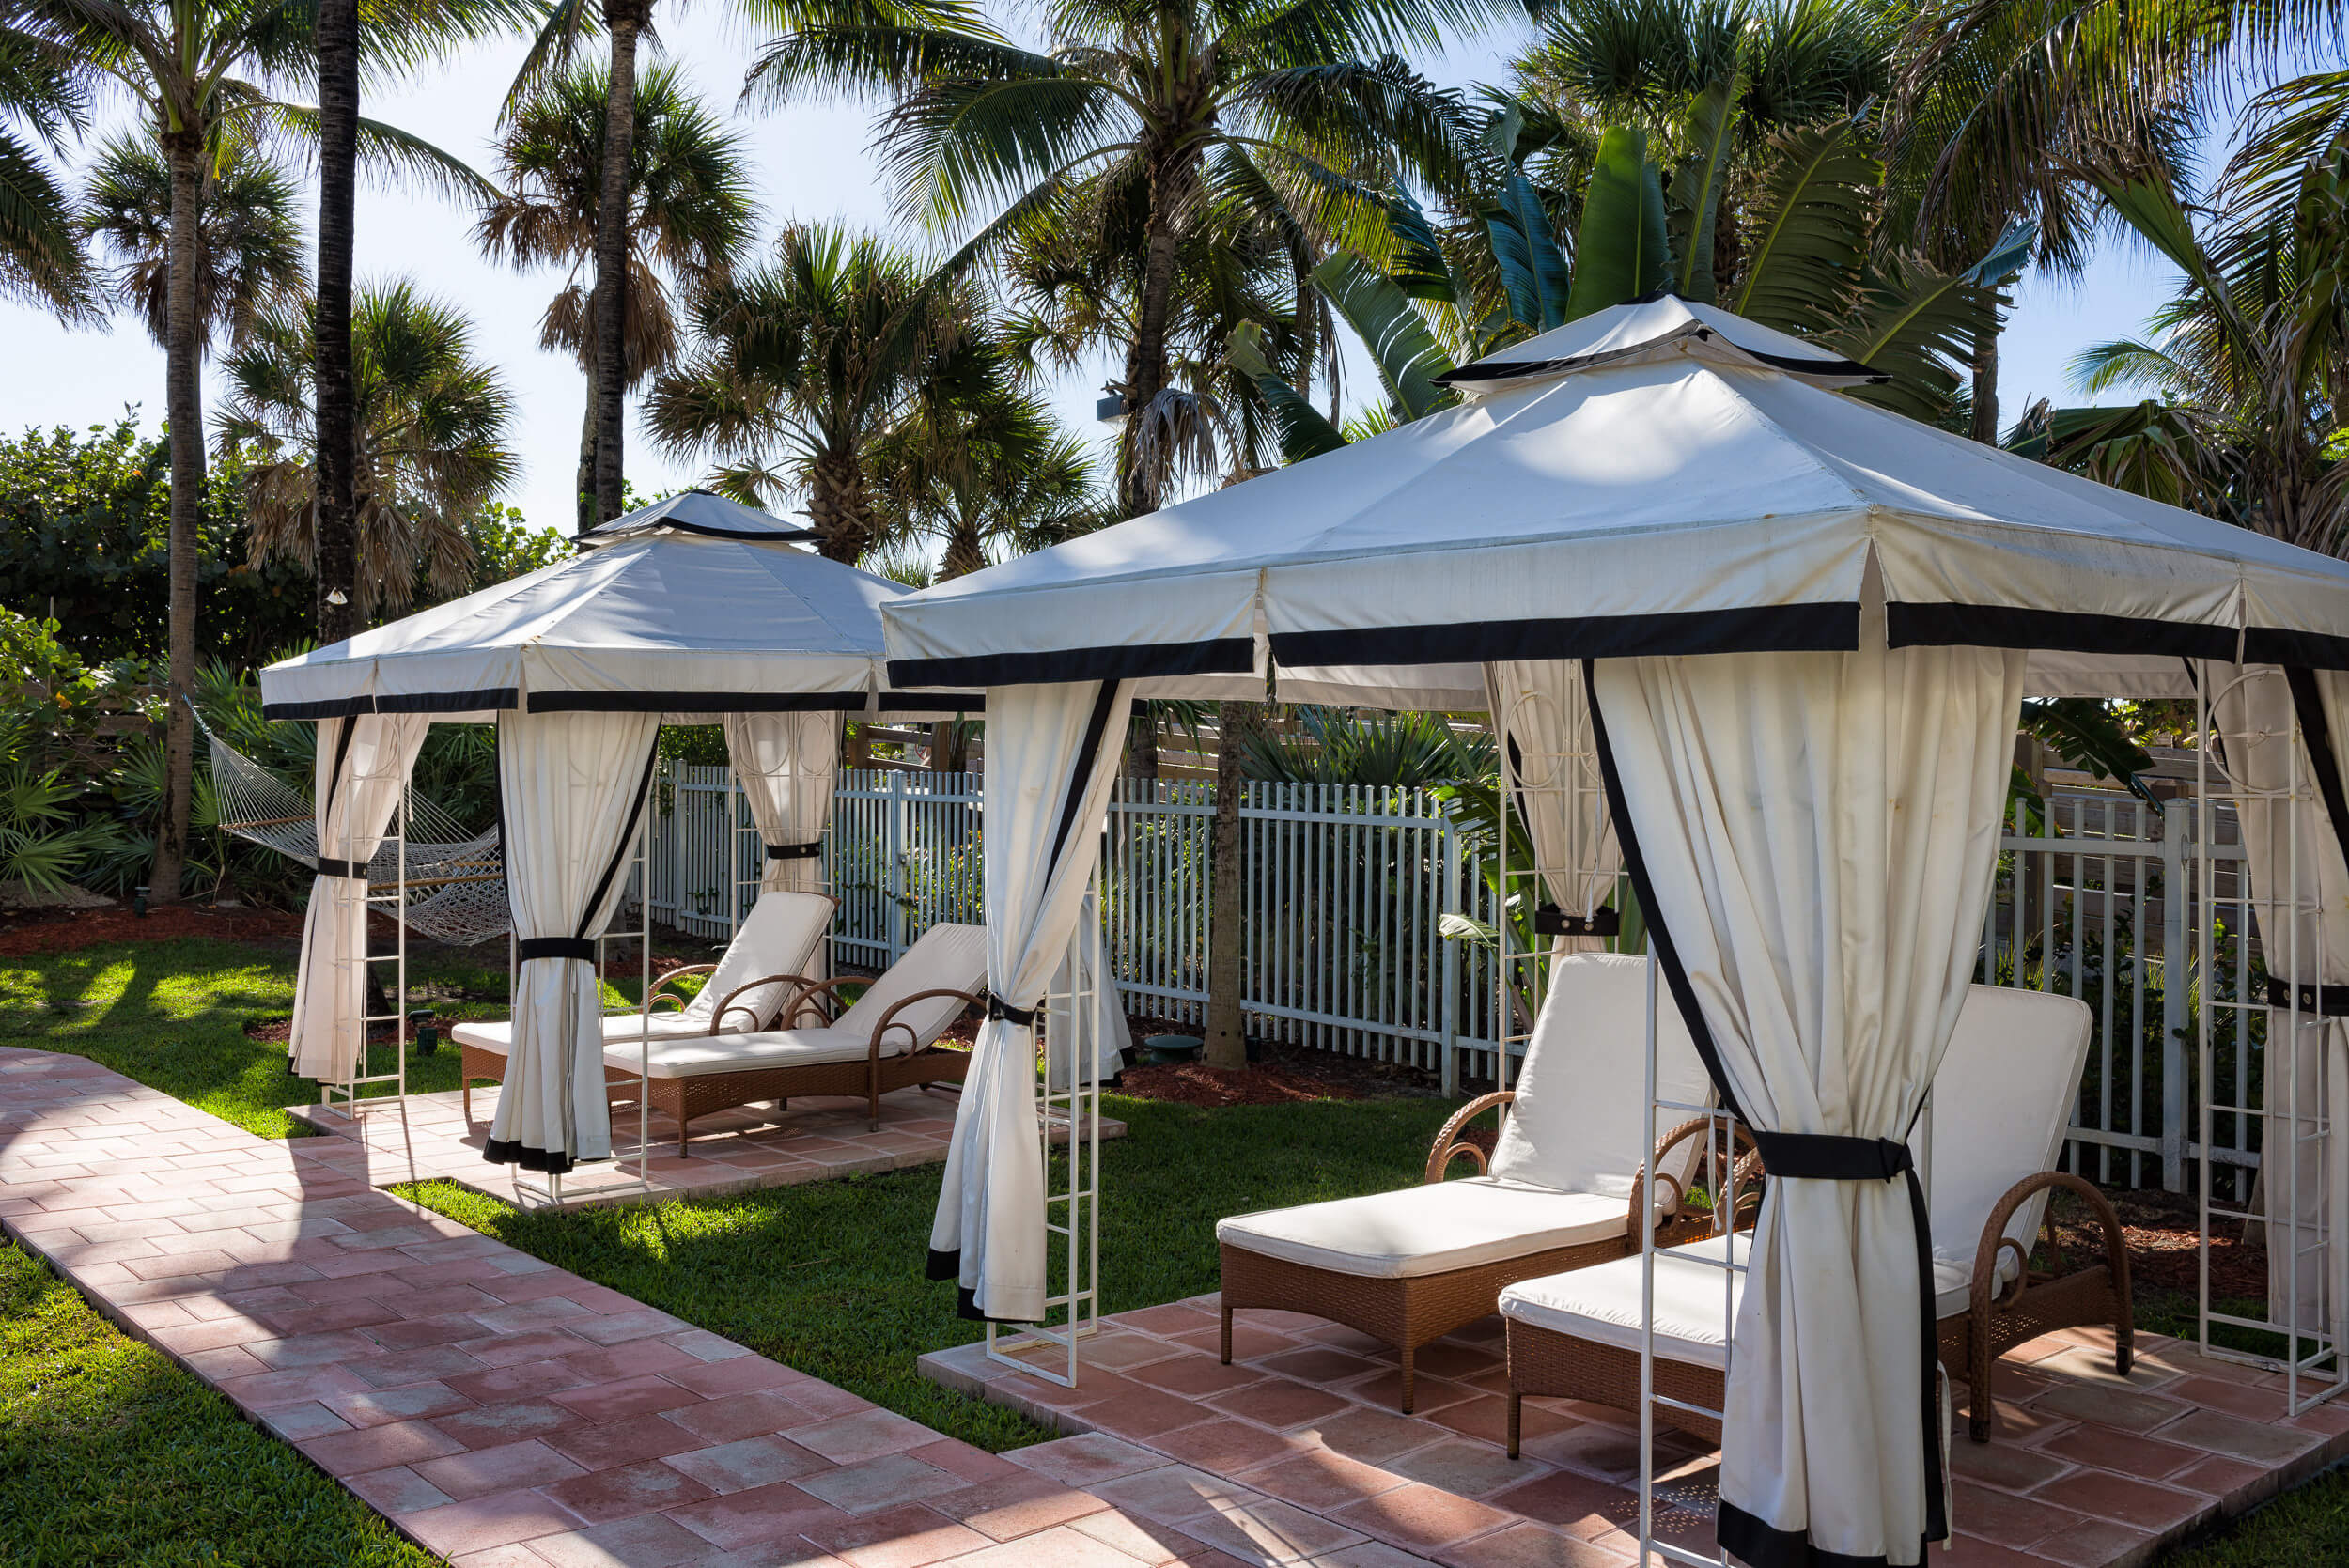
762	967
882	1042
2001	1104
1411	1265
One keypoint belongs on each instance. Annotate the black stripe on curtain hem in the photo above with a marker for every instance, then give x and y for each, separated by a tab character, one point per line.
552	1162
1213	656
1827	626
2316	731
942	1265
1766	1546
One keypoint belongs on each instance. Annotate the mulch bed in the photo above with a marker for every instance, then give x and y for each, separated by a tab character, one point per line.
1196	1083
2163	1242
46	931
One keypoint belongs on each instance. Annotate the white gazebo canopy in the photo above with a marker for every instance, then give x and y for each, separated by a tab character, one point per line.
679	622
1810	823
1659	478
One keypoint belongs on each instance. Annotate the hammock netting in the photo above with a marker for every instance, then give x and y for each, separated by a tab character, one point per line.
456	882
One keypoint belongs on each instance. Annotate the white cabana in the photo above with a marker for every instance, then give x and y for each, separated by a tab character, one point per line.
1811	821
687	609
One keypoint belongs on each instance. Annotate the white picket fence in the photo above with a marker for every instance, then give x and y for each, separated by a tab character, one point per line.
1346	889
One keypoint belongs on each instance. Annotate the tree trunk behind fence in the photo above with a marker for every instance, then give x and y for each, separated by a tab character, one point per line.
1227	896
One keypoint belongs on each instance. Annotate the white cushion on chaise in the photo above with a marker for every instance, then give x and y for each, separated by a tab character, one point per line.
1563	1170
778	937
945	957
2000	1106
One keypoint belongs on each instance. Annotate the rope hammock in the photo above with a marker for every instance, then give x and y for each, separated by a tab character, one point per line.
456	882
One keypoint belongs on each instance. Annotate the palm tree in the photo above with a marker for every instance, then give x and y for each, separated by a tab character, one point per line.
248	238
690	212
1187	104
977	474
802	366
200	78
41	103
434	425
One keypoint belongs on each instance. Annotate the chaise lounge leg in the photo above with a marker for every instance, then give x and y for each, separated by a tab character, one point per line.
681	1135
1227	1336
468	1091
1410	1375
1516	1420
1980	1412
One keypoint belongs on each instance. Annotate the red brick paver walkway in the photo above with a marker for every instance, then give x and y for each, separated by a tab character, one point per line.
507	1414
429	1137
2085	1470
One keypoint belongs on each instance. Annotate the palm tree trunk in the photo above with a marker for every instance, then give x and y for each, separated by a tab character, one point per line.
587	498
183	407
1141	481
1985	391
1227	1033
965	552
1142	743
625	20
837	508
338	151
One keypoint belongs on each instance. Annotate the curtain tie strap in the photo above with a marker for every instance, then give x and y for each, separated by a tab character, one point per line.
998	1008
2324	1001
349	871
556	947
796	851
1820	1156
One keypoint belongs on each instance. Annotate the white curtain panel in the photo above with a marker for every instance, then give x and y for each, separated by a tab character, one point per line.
363	765
571	797
2293	814
1541	714
1051	758
785	763
1818	834
1097	1014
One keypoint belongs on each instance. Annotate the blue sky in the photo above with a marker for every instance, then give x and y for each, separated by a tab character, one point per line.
812	164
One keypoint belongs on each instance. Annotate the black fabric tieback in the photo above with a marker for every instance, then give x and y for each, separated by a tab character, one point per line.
349	871
556	947
1821	1156
1824	1157
796	851
998	1008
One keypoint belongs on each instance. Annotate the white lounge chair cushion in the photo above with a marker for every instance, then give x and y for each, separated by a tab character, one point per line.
739	1054
944	957
1579	1121
1602	1303
1426	1229
778	937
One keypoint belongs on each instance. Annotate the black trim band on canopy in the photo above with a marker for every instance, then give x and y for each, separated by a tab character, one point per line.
1999	626
931	702
1762	1544
506	1151
1213	657
528	948
1827	626
1507	371
698	702
348	870
487	698
796	851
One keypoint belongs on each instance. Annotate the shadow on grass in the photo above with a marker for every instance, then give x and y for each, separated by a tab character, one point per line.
827	1277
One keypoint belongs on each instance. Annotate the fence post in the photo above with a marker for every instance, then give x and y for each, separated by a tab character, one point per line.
1450	951
2176	966
892	879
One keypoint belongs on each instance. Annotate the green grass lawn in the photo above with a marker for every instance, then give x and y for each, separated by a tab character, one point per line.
827	1277
173	1014
110	1454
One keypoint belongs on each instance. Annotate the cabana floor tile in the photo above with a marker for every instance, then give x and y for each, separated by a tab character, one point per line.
1301	1433
506	1413
427	1137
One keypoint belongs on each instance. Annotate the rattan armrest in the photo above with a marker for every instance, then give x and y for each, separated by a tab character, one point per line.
662	985
811	998
1447	1143
1994	1240
726	1003
1679	1134
889	1019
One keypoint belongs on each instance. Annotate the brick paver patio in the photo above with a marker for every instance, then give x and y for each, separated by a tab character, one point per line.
2085	1471
507	1414
429	1136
